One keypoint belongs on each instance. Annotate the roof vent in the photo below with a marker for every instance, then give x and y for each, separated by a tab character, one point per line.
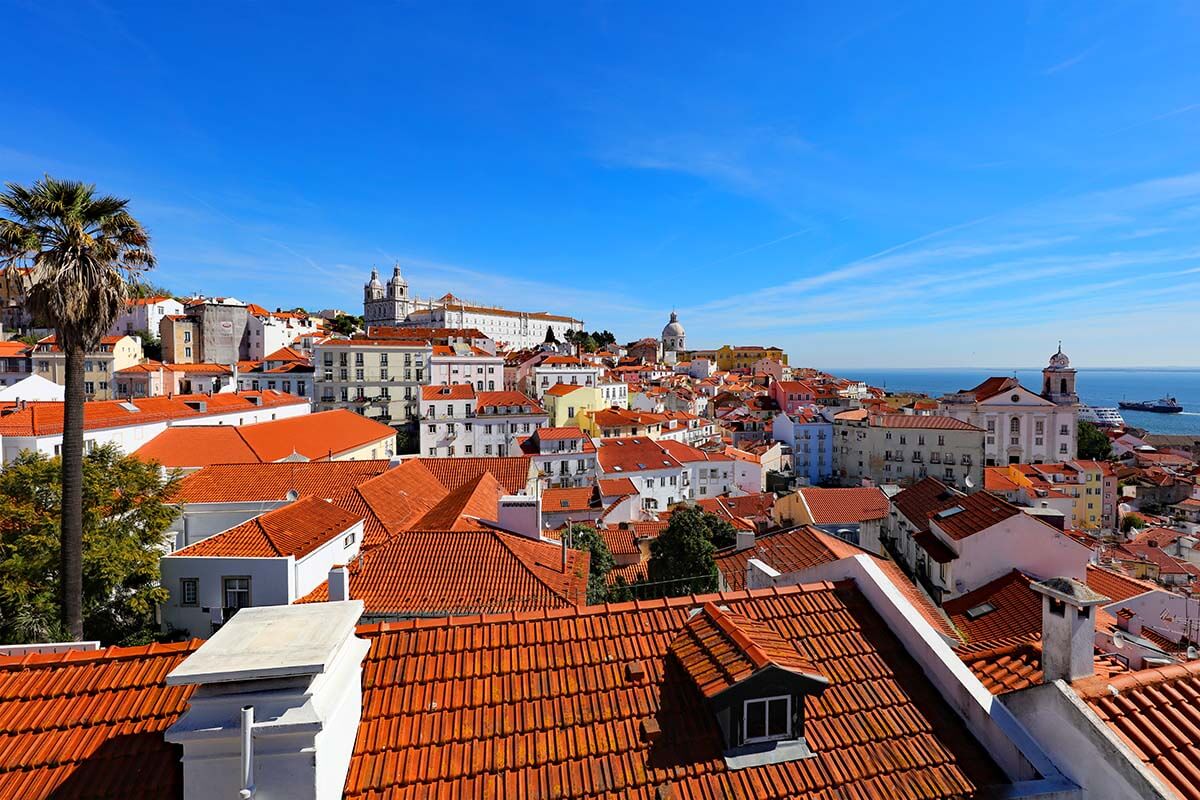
635	671
650	729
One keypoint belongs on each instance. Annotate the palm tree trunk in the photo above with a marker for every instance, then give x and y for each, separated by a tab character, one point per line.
71	574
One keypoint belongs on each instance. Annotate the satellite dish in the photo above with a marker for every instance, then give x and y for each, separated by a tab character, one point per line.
970	483
1119	640
293	495
1193	653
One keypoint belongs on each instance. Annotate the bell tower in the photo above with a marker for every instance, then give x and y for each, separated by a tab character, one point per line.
1058	380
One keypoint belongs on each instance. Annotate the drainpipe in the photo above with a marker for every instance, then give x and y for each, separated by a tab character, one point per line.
248	788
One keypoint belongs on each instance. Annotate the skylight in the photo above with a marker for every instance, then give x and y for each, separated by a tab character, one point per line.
983	609
949	512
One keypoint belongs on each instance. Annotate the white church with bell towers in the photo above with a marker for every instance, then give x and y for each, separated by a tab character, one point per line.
386	306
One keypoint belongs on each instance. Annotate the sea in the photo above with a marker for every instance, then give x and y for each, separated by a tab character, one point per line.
1096	387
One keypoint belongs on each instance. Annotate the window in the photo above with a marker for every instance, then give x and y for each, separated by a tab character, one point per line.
767	720
991	426
1014	425
350	539
187	336
1064	431
237	592
189	588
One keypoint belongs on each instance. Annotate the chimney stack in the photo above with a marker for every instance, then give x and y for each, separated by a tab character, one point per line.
521	514
1068	628
339	583
745	540
277	704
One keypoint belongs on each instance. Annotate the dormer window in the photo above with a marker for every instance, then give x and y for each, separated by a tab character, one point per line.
767	720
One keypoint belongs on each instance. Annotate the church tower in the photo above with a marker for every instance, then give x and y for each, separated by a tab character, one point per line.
673	337
1058	380
386	307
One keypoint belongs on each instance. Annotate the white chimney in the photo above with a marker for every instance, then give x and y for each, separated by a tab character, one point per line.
745	540
1068	628
521	514
339	583
293	675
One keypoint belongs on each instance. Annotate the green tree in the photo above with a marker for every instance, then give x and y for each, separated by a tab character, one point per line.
1131	521
83	248
347	325
603	338
681	558
600	559
1093	444
143	289
151	344
127	510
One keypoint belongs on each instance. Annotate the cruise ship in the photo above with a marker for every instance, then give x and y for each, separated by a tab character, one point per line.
1104	417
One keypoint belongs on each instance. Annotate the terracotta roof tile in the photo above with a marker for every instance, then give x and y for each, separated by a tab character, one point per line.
1116	586
1016	609
292	530
540	705
829	506
511	471
90	724
423	573
258	483
464	507
572	499
1015	663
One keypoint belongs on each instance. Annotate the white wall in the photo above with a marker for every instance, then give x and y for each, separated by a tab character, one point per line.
1019	542
662	494
271	583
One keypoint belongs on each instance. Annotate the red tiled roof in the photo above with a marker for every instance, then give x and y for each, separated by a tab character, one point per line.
806	547
923	499
548	434
45	418
1154	711
719	649
829	506
420	573
486	400
454	391
559	500
995	479
926	422
296	529
563	389
1018	609
89	724
287	353
538	704
1015	663
12	348
462	508
747	506
259	483
1114	585
930	499
314	436
614	487
392	501
511	471
633	454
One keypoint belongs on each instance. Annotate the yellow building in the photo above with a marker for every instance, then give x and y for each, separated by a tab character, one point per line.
564	402
728	357
99	367
1093	497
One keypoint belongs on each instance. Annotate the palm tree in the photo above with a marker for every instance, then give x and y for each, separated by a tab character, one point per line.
82	249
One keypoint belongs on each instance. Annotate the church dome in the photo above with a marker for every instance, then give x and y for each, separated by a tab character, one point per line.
374	282
1059	360
396	278
673	328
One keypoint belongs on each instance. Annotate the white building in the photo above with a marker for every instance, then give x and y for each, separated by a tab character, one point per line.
378	378
270	560
268	331
464	363
565	457
145	314
570	370
902	448
129	424
394	306
711	474
458	421
660	479
613	391
1022	427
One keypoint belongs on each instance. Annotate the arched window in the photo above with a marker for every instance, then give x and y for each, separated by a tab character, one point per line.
1063	386
1014	426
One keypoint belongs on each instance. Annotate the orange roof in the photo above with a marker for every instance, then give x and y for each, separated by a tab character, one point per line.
13	348
1012	664
563	389
922	422
392	501
463	572
46	418
511	471
1015	609
613	487
830	506
90	723
292	530
287	354
633	455
719	649
492	400
1115	586
1153	711
550	695
995	479
455	391
259	483
314	436
462	508
806	547
560	500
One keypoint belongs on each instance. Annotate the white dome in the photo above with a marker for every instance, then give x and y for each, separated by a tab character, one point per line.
673	328
1059	360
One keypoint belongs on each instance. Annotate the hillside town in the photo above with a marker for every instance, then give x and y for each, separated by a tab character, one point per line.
445	548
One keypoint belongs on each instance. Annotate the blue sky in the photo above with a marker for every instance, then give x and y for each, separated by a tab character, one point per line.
891	184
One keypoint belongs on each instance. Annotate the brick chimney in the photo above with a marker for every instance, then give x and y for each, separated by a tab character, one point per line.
277	704
1068	628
